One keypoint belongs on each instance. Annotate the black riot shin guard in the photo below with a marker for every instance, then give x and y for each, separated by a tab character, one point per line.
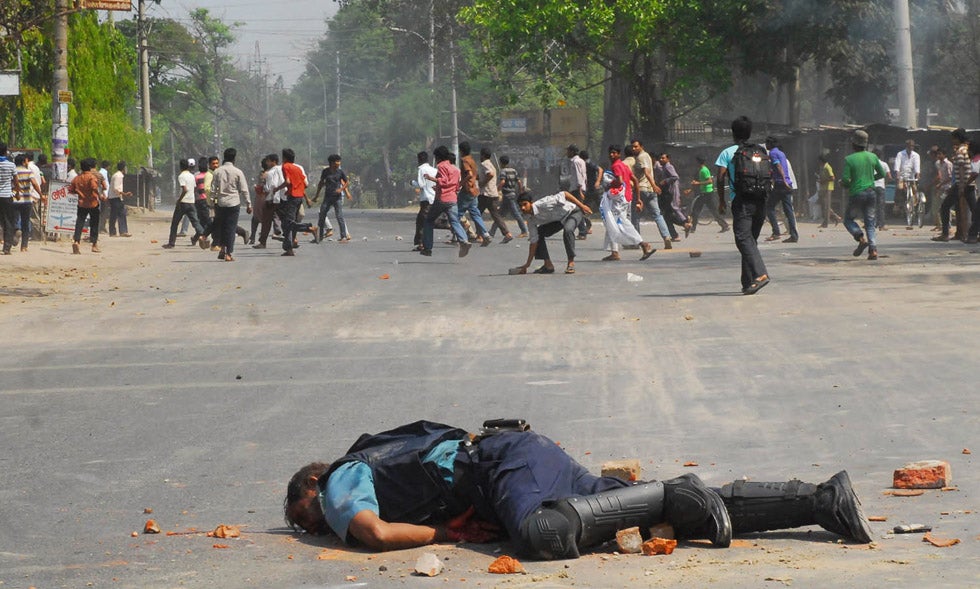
833	505
695	511
558	530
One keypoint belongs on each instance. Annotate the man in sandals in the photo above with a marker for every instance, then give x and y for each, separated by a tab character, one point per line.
748	205
549	215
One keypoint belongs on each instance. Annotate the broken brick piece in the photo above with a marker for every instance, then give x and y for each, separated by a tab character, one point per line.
627	470
629	540
925	474
151	527
940	542
659	546
505	565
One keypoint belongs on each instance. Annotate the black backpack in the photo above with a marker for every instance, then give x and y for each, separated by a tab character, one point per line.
753	172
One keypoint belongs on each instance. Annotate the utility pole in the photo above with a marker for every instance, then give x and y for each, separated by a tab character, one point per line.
59	89
903	54
144	58
338	102
452	102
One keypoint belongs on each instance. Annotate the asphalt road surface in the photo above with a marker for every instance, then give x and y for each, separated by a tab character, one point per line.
144	379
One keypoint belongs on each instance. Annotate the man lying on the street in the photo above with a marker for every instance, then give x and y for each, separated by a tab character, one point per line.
426	482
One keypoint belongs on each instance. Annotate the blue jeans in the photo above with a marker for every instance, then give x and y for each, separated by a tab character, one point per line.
651	207
337	202
510	204
782	194
437	208
22	220
862	204
466	203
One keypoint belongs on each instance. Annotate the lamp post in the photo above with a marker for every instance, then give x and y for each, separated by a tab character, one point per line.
324	83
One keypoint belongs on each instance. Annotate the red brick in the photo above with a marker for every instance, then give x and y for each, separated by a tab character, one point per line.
627	470
925	474
659	546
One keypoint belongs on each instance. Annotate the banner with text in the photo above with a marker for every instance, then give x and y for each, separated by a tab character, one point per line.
62	210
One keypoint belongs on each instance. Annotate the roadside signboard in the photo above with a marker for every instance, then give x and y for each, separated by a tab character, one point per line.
9	83
126	5
62	210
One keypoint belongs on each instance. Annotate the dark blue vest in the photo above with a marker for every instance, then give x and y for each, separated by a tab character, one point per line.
408	491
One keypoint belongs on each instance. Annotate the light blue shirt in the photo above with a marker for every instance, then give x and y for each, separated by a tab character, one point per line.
725	160
350	488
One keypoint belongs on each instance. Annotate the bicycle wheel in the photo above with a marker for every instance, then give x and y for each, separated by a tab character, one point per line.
911	205
921	209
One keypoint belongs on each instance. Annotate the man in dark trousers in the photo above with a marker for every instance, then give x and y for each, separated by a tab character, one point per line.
427	482
748	204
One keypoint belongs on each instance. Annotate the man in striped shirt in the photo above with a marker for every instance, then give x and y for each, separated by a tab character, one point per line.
958	195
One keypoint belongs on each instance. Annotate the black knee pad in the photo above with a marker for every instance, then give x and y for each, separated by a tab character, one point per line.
547	534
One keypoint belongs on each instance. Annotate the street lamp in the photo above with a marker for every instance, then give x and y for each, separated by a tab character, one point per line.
324	83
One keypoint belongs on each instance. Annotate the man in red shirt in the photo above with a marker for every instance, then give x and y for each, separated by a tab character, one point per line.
447	181
295	185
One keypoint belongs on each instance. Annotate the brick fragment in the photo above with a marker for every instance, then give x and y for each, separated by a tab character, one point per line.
629	540
627	470
659	546
925	474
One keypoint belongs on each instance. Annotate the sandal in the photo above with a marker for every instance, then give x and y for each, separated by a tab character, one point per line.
611	258
756	285
570	270
648	251
545	270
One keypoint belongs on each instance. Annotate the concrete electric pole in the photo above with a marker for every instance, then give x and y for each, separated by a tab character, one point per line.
903	62
144	59
60	96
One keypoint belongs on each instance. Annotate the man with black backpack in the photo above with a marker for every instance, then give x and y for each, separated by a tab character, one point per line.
745	169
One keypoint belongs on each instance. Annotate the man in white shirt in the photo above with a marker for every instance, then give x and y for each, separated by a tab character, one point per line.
427	195
549	215
117	206
185	206
907	169
271	182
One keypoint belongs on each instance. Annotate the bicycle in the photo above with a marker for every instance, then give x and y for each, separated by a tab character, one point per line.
915	204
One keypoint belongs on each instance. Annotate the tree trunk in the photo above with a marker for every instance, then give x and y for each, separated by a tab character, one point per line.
793	99
651	106
615	110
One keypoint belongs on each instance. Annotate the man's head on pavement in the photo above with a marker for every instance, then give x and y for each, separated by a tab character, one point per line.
302	506
741	129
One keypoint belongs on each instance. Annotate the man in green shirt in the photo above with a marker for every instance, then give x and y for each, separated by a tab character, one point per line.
706	184
861	169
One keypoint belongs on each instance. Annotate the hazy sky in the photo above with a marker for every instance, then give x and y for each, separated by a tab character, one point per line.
284	30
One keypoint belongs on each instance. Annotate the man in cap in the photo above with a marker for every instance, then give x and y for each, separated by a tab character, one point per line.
861	169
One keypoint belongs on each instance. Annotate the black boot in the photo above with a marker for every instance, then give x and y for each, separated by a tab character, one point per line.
695	511
833	505
558	530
